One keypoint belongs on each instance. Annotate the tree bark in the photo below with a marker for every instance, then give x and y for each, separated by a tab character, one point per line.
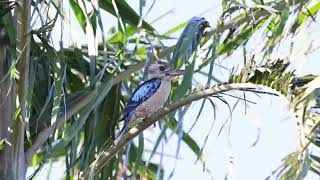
12	128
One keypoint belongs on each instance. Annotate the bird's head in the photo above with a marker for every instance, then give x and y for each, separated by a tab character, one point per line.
163	70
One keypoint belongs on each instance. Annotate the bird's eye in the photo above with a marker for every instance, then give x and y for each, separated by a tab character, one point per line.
161	68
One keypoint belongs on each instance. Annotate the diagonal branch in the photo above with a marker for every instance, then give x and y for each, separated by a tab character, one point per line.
46	133
107	155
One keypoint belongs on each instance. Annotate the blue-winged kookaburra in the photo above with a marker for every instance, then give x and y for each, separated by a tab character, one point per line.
150	95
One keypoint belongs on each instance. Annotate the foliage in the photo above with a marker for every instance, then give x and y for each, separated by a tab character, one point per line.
69	99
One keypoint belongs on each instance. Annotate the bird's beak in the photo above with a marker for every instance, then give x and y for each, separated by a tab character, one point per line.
175	72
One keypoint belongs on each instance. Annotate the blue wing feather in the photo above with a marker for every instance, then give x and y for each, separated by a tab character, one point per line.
142	93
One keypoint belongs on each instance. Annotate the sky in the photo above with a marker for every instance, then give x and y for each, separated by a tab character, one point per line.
257	140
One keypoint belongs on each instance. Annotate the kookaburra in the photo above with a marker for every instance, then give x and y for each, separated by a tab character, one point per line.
150	95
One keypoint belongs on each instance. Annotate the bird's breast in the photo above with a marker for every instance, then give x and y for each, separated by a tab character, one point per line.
152	104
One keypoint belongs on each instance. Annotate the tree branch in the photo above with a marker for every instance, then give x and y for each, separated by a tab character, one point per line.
45	134
107	155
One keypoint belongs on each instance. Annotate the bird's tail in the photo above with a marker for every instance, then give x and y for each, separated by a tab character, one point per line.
123	129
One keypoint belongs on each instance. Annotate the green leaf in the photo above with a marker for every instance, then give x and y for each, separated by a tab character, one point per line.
172	124
102	90
143	170
138	161
36	159
175	29
120	37
59	78
79	14
186	83
311	11
224	4
93	21
7	22
159	139
236	39
3	144
279	28
32	74
213	57
126	13
188	40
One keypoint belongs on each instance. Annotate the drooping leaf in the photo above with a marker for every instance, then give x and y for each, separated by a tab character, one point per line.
172	124
102	91
125	11
142	170
186	83
188	41
175	29
79	14
236	39
311	11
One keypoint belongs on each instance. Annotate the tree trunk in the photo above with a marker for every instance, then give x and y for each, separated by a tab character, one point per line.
22	11
12	128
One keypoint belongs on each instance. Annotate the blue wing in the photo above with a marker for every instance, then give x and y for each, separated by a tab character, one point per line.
142	93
